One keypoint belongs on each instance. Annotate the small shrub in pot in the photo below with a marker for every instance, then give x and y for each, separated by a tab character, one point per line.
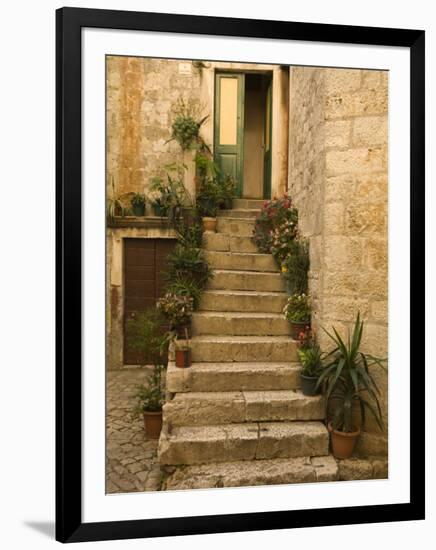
310	357
297	311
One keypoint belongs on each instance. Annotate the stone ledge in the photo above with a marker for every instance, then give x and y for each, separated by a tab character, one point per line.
134	221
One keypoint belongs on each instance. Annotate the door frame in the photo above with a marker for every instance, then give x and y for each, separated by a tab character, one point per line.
240	127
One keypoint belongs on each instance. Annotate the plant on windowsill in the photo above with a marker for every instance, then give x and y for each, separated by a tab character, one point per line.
138	204
170	195
297	311
309	353
350	390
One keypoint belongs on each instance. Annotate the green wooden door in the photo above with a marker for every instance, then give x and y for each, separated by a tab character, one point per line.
267	142
229	126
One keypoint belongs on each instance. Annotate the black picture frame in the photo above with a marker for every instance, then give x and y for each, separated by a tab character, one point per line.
69	525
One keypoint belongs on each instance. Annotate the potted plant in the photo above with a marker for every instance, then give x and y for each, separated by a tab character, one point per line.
295	266
183	352
138	204
170	197
310	357
227	185
178	311
188	261
187	123
297	311
350	390
150	398
208	201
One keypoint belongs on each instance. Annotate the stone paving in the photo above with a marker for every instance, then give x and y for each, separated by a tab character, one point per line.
131	461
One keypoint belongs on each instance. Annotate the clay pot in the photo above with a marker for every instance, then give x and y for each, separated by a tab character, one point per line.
343	442
209	224
308	385
298	327
152	424
183	358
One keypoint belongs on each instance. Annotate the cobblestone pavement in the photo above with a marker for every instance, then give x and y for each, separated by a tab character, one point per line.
131	461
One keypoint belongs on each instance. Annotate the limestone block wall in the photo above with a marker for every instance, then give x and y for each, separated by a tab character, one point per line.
338	176
141	93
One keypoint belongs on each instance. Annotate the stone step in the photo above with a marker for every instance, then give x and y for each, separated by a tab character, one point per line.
241	261
228	279
221	242
243	301
249	441
239	324
214	407
238	213
241	227
229	349
201	377
248	203
275	471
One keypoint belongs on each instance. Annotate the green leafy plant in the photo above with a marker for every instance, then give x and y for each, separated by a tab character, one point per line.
188	261
348	381
187	122
176	309
146	334
186	286
310	355
138	200
295	266
298	308
172	195
209	197
151	396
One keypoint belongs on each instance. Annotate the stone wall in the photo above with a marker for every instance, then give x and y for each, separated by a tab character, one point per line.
141	95
338	178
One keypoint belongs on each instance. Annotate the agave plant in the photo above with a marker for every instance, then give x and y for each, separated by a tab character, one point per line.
348	382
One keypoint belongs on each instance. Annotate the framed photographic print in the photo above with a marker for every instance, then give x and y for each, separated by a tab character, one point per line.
240	247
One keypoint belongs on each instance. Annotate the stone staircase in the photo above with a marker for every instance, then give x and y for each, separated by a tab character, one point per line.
236	416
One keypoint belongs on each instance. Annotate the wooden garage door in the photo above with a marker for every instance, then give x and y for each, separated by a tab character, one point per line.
144	266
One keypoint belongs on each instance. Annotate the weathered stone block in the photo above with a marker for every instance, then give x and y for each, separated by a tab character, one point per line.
240	324
240	261
343	253
337	133
354	468
247	301
355	161
341	80
339	188
366	219
370	131
292	439
247	280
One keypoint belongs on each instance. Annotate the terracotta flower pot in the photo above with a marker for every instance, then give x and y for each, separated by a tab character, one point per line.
209	224
308	385
153	424
183	358
298	327
343	442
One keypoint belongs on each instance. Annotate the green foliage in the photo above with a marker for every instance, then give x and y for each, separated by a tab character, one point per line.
295	266
275	214
138	200
186	286
172	194
188	261
187	123
297	308
310	355
145	334
209	197
176	309
348	381
151	396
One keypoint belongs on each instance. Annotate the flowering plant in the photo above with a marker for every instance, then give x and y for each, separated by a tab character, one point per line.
282	239
177	309
275	214
297	308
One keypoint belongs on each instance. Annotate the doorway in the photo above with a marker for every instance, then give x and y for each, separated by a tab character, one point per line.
243	126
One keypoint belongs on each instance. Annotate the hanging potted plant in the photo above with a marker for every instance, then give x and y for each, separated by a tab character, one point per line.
350	390
178	311
297	311
183	352
138	204
150	398
310	357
